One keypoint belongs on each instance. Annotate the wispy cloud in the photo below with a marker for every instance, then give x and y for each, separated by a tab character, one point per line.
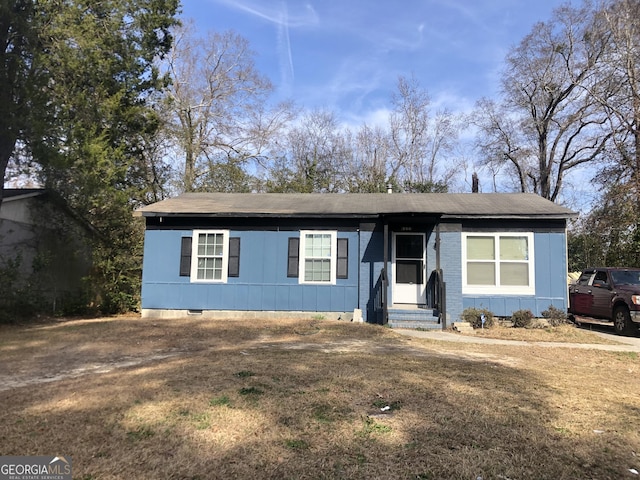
272	11
348	55
279	14
287	74
411	39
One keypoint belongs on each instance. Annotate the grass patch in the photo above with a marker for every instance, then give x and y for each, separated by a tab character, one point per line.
201	421
103	392
140	433
250	391
370	426
627	355
297	444
323	414
566	333
327	414
223	401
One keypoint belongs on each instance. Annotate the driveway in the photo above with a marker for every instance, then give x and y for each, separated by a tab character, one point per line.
628	344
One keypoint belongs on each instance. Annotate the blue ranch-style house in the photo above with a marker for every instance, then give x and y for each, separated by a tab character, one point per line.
411	260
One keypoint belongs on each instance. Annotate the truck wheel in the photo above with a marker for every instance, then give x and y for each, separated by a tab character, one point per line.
621	320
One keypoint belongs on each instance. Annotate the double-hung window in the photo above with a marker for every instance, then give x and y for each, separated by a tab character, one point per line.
499	263
317	257
209	259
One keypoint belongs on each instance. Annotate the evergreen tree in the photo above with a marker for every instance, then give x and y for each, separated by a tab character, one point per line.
81	95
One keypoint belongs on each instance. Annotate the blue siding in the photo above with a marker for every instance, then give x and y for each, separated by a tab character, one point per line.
262	285
550	276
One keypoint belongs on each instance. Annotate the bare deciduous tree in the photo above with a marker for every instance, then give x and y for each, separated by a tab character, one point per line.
418	141
547	123
619	95
218	104
366	170
313	154
610	233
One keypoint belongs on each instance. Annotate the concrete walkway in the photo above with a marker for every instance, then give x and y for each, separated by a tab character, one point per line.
627	344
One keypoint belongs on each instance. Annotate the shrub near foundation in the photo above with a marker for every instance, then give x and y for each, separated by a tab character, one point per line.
522	318
555	316
473	316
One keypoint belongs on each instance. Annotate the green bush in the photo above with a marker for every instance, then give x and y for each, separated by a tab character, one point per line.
20	298
474	317
555	316
522	318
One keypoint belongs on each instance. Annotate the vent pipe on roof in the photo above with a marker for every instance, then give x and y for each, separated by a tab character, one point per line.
389	188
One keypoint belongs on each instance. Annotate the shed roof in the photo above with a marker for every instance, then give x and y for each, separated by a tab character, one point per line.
19	193
53	198
299	205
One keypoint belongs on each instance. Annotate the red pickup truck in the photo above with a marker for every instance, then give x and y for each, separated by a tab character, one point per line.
607	296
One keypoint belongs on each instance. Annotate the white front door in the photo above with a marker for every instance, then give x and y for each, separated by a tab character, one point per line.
409	263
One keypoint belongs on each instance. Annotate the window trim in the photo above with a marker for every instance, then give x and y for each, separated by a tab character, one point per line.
225	256
302	257
499	289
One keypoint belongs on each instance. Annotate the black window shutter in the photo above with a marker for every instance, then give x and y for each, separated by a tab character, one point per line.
293	256
185	257
234	257
342	267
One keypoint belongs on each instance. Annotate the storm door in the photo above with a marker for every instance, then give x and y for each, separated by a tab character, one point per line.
409	263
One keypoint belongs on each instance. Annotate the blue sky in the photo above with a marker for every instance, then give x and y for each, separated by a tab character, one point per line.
346	55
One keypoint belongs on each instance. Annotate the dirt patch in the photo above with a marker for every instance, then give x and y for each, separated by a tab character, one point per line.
59	372
402	348
61	350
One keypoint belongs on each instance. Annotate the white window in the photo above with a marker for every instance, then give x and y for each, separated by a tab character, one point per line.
500	263
209	259
317	257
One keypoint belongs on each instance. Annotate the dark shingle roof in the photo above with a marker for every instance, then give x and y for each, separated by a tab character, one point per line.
457	205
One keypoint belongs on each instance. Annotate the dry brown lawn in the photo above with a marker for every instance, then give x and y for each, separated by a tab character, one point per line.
567	333
128	398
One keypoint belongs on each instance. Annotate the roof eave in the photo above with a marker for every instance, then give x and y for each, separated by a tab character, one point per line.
252	215
357	215
541	216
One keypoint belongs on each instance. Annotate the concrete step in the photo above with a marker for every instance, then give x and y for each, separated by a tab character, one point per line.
416	318
414	325
462	327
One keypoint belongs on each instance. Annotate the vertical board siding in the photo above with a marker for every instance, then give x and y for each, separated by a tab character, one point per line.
295	293
262	283
161	261
558	267
241	295
268	298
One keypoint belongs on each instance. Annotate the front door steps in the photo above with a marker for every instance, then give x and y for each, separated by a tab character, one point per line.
414	317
